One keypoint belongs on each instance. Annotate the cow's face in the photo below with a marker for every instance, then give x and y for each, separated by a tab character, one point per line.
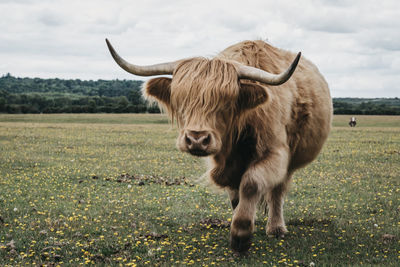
206	99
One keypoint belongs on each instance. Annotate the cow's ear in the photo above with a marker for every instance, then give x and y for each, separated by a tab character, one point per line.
158	88
251	95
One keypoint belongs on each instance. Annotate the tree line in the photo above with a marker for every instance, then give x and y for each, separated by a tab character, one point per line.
35	95
367	106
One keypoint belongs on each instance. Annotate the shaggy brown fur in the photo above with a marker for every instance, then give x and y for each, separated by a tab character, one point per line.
259	134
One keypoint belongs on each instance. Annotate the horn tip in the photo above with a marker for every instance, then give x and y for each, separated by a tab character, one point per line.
296	61
298	56
110	47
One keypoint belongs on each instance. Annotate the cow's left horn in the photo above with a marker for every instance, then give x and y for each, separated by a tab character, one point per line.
157	69
251	73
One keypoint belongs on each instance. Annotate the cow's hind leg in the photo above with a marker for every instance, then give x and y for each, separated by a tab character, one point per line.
233	196
276	223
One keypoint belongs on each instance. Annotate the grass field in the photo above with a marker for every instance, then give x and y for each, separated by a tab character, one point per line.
114	190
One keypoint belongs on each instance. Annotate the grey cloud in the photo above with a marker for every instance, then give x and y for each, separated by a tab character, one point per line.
50	19
17	1
238	22
384	39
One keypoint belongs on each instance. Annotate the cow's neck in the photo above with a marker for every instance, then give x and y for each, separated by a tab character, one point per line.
231	163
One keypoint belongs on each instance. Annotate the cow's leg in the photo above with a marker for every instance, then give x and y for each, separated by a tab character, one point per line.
242	226
233	196
255	183
275	198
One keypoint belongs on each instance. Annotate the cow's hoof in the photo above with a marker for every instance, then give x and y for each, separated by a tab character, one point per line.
277	231
241	244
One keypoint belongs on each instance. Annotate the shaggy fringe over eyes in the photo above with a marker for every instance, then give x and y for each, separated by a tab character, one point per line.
202	87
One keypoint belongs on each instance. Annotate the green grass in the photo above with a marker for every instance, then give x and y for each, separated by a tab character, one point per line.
65	198
97	118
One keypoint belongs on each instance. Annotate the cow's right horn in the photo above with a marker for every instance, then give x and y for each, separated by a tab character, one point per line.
151	70
247	72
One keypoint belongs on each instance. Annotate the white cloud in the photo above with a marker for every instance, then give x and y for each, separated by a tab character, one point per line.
355	44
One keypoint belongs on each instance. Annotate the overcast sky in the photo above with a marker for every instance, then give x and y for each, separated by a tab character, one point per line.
354	43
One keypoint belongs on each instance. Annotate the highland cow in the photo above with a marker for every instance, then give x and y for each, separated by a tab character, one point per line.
254	124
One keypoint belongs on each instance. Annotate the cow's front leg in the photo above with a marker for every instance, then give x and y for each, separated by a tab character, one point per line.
242	226
256	182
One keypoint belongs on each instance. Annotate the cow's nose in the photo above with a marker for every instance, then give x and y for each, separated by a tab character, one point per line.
197	140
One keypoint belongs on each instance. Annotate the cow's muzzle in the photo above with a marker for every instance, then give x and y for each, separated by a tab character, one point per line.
198	142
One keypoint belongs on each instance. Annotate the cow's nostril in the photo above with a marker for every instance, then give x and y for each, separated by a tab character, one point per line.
188	141
206	140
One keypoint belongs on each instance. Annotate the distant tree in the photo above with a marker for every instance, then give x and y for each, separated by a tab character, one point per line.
135	97
2	104
92	106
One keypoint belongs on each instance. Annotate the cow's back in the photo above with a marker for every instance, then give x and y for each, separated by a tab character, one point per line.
301	107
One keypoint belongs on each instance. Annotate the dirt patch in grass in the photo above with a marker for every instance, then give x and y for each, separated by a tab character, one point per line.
214	223
141	180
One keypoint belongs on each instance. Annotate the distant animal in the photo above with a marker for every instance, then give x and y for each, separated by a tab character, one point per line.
352	122
254	124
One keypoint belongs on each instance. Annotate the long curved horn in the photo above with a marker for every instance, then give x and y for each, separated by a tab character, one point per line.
251	73
157	69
